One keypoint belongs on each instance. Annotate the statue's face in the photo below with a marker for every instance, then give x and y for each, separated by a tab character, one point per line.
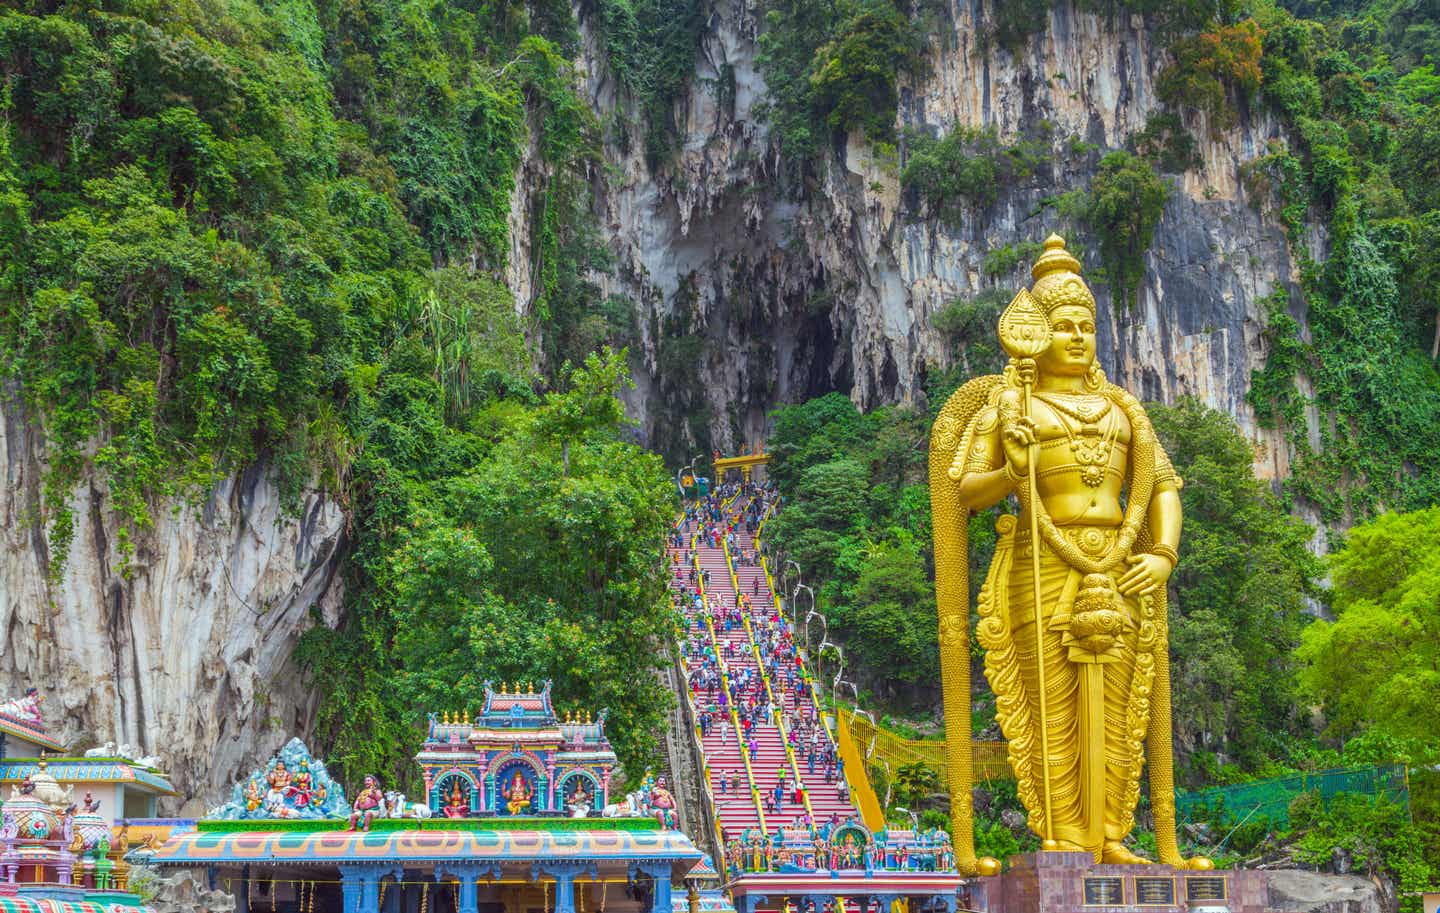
1072	341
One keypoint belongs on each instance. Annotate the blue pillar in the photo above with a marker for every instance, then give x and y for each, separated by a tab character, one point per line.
352	888
468	875
564	892
469	894
369	893
662	893
392	896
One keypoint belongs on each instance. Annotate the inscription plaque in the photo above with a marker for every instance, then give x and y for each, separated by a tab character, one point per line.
1155	892
1104	892
1208	887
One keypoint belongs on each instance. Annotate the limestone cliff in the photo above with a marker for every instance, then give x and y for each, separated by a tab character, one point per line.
187	658
833	287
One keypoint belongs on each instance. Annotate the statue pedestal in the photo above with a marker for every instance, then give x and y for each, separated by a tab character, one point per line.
1072	883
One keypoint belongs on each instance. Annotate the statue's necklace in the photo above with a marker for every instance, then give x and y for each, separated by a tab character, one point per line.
1092	445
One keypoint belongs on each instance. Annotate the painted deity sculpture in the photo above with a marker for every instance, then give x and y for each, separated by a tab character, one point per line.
457	801
1081	674
662	803
517	794
26	708
369	804
580	799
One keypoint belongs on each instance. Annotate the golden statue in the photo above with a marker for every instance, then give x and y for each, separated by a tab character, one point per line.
1081	675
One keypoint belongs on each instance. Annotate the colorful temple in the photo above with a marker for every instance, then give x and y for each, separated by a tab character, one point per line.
516	817
63	836
518	758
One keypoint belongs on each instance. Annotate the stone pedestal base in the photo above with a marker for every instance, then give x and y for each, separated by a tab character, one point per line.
1073	883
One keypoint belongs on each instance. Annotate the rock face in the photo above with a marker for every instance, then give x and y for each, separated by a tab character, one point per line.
181	893
775	295
188	657
1310	892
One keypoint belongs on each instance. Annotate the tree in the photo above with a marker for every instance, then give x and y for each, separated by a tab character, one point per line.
1377	665
889	613
1121	209
1237	595
915	784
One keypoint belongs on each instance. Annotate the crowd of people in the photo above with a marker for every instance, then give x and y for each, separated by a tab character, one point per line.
787	702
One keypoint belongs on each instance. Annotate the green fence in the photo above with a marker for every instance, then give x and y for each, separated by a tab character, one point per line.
1272	798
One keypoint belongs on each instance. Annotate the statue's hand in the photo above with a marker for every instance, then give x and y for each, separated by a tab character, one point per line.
1145	574
1017	433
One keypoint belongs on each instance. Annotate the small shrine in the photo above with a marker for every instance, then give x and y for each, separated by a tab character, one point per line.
291	785
61	847
120	782
516	758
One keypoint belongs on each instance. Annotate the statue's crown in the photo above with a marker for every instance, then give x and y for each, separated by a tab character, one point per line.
1057	278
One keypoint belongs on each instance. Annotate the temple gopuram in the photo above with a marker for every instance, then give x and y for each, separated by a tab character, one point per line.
517	816
518	758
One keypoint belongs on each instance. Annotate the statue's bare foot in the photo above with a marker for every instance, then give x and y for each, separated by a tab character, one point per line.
1116	853
1061	846
1194	863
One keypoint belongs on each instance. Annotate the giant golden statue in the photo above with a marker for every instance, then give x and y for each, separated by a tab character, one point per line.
1081	674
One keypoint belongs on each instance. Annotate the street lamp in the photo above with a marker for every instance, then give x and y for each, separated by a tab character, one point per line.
681	472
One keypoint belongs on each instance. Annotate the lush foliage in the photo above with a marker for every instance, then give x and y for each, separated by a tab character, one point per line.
857	521
1379	836
1120	211
521	550
832	67
1374	668
652	46
1363	125
966	169
1211	64
1245	572
272	234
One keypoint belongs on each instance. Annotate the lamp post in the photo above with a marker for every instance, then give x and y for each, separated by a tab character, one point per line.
688	468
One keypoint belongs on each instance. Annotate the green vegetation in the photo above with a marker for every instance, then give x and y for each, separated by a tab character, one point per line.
1376	667
1167	144
832	67
1245	572
1120	211
271	233
1003	260
1211	65
1362	117
967	168
652	46
519	550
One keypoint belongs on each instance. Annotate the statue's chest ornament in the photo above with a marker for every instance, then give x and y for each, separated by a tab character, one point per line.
1093	439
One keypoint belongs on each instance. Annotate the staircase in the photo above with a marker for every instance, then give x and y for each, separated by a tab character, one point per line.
733	637
825	800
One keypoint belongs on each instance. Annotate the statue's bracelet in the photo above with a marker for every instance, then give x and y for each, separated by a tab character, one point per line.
1010	473
1165	551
